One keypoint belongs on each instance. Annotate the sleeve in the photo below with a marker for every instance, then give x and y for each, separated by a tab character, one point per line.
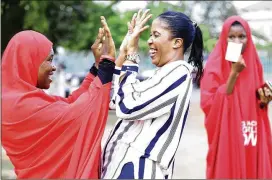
83	88
150	98
116	78
101	74
115	86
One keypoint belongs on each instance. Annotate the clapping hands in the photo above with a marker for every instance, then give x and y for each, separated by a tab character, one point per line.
104	44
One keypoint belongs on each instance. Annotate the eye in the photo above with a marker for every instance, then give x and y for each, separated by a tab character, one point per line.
50	59
155	34
231	37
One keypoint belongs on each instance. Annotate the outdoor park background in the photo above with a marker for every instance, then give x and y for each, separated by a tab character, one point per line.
73	25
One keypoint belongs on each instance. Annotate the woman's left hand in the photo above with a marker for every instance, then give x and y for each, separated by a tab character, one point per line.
140	21
97	46
108	45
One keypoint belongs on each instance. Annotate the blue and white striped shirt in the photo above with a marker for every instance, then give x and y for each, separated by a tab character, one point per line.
151	113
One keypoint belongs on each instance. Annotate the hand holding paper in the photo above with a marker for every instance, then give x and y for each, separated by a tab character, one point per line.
238	66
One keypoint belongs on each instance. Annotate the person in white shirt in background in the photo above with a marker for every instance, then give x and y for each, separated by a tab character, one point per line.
152	113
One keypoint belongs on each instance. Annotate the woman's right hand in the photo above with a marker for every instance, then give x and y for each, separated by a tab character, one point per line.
239	66
131	24
236	68
140	22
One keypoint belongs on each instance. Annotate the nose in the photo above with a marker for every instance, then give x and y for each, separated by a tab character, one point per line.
54	68
150	40
237	40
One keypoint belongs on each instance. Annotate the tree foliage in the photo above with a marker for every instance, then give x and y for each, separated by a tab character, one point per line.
74	24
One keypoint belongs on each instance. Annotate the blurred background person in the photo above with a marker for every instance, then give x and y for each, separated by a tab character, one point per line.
238	129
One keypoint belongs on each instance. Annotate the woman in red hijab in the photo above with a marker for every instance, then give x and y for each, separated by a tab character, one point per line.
48	136
239	134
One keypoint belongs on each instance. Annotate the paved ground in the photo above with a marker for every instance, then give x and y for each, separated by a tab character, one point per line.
191	155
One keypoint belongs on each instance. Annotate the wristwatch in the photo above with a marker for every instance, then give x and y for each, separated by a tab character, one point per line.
133	57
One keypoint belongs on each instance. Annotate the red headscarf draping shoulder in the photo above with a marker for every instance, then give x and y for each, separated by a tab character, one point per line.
224	114
47	136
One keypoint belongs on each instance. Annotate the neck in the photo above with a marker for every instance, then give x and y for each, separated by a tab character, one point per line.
176	56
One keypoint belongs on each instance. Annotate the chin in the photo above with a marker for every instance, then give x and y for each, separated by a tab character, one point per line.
156	63
46	86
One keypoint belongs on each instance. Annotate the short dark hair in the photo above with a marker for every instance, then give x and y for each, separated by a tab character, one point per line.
181	26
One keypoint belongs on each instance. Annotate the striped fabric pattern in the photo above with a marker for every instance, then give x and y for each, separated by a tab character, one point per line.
152	116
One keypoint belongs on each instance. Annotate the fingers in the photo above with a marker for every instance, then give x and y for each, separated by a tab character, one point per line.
260	91
130	28
144	14
267	92
138	17
105	26
146	19
262	96
132	23
241	60
133	20
141	19
99	38
99	35
144	28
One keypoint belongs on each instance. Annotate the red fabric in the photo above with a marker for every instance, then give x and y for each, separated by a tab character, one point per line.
48	136
228	157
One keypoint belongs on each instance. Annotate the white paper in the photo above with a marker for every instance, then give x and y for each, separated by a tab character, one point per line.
233	51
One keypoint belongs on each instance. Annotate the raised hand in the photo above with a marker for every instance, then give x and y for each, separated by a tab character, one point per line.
131	24
108	46
140	21
97	46
239	65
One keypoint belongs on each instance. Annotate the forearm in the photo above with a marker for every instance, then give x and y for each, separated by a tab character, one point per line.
231	82
120	60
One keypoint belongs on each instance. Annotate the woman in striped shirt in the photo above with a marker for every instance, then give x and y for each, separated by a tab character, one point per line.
152	113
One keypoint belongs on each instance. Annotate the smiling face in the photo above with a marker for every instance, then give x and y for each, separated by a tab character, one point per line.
161	44
237	34
46	70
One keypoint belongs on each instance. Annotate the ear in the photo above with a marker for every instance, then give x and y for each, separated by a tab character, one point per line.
178	43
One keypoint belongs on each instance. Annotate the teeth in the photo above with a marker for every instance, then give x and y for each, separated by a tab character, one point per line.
152	51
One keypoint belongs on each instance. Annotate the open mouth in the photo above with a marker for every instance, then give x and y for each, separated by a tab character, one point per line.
152	52
51	76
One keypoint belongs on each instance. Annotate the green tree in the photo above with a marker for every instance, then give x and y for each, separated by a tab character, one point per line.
12	20
209	42
72	24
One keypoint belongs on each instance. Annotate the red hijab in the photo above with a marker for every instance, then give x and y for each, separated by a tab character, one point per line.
228	157
48	136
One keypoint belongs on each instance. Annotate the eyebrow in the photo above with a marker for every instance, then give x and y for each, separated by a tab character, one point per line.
155	32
